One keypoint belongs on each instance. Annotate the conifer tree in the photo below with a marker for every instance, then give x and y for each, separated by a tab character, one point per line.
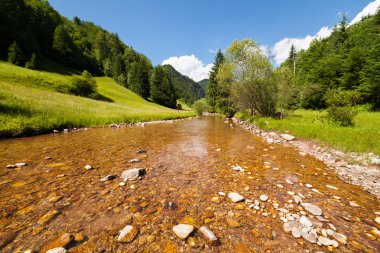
212	88
161	88
15	55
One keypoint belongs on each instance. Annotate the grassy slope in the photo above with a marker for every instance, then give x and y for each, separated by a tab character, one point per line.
29	103
364	137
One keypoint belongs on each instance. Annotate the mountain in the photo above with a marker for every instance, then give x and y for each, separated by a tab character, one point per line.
203	83
186	89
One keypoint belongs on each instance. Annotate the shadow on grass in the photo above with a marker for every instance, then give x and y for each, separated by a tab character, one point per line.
100	97
15	110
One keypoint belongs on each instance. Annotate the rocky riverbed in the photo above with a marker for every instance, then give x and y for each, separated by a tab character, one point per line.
199	185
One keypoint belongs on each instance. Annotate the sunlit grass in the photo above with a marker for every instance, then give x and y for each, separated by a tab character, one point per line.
29	105
363	137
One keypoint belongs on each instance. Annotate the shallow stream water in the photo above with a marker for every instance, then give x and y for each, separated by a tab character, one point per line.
188	162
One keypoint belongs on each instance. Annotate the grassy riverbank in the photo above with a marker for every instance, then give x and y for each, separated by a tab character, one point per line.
30	103
363	137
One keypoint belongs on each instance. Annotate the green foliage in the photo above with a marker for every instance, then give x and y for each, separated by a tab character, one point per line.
185	88
15	55
248	72
288	92
340	108
83	87
212	88
348	60
200	106
161	88
138	78
33	63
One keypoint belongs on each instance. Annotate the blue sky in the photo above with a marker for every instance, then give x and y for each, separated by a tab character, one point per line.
186	33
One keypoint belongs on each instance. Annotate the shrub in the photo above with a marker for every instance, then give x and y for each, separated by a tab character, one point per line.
200	106
33	63
83	87
340	104
312	97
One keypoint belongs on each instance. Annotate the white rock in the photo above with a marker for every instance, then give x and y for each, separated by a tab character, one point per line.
296	233
131	174
377	220
88	167
335	244
135	160
183	230
208	234
221	194
309	185
11	166
289	181
280	186
354	204
247	188
20	165
312	208
235	197
305	221
290	193
309	237
237	168
56	250
375	161
264	197
340	238
324	241
297	199
331	187
122	183
288	137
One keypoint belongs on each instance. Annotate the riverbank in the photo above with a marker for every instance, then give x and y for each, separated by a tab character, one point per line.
30	104
361	169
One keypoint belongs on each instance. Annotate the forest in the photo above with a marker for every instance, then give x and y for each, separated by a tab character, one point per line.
32	31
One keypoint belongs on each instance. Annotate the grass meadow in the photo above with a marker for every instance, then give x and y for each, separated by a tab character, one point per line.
35	102
363	137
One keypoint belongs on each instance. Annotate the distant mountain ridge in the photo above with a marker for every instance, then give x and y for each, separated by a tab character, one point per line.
186	89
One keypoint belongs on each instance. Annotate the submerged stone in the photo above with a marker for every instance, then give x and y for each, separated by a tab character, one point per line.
128	234
313	209
235	197
183	230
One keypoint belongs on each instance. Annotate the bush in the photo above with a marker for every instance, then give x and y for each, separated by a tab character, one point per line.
312	97
83	87
15	54
33	63
200	106
340	104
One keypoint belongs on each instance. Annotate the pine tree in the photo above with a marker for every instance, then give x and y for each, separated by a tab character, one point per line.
161	88
212	88
15	55
293	57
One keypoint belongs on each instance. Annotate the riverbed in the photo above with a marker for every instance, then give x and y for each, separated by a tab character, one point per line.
190	167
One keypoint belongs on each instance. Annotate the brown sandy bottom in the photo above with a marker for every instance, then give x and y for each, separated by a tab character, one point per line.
54	201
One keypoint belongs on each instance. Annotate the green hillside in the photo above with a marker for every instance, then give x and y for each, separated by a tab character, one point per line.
186	89
203	83
35	102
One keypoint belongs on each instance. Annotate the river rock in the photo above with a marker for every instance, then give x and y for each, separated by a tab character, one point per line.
287	137
208	235
312	209
237	168
340	238
141	151
11	166
135	160
19	165
377	220
324	241
354	204
297	199
183	230
56	250
132	174
6	238
232	223
61	241
289	226
305	221
264	198
88	167
309	237
375	161
309	185
128	234
50	215
108	177
235	197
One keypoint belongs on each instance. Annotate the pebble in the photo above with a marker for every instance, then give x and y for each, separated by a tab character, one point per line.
215	199
218	149
309	185
61	241
297	199
183	230
312	209
288	137
132	174
264	198
135	160
296	233
11	166
354	204
375	232
88	167
221	193
233	223
280	186
128	234
208	235
324	241
237	168
332	187
56	250
377	220
247	188
305	221
289	181
108	177
340	238
122	183
20	165
50	215
235	197
309	237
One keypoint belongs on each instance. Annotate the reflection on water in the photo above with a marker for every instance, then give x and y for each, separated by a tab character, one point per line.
188	162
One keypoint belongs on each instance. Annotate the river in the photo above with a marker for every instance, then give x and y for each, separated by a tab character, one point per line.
188	167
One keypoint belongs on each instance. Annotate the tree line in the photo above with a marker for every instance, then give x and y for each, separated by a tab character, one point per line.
336	73
31	31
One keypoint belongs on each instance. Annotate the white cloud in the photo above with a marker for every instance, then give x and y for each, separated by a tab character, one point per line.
213	51
190	66
369	10
282	48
